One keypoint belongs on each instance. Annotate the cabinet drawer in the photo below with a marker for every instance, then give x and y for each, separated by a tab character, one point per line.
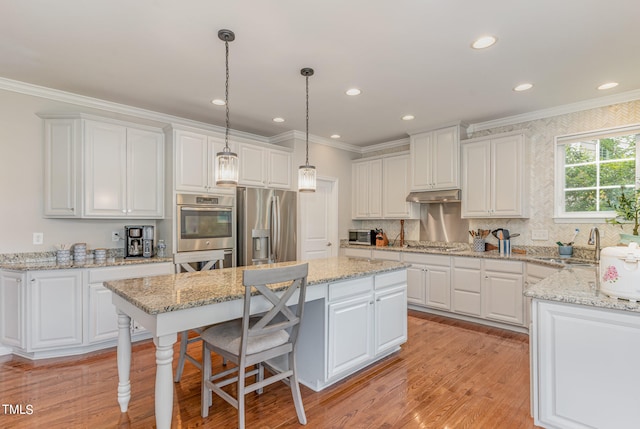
357	253
503	266
459	262
350	288
539	271
467	302
389	279
386	255
99	275
418	258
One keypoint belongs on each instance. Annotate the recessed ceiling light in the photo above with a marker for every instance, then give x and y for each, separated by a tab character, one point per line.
335	136
608	85
353	91
218	102
408	117
278	119
523	87
484	42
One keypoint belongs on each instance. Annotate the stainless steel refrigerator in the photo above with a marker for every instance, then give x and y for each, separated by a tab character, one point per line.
266	226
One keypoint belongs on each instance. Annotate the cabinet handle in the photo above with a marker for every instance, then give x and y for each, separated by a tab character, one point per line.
378	300
486	277
124	211
370	302
33	280
18	280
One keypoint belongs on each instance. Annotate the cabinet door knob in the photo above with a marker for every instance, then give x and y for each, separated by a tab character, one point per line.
124	211
329	244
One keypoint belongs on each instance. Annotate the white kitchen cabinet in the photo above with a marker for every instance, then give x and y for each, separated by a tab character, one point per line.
429	280
12	303
103	319
55	315
585	366
123	171
502	289
435	159
494	177
364	252
260	166
390	327
396	178
366	185
62	140
195	161
466	286
367	317
350	324
95	168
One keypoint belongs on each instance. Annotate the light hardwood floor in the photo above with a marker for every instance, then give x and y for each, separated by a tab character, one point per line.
450	374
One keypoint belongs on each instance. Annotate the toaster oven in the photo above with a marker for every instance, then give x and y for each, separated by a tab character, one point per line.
365	237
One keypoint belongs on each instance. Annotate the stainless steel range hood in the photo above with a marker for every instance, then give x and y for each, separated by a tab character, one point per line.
448	196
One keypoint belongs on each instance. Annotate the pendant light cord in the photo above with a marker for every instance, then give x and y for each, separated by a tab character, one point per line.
307	139
226	96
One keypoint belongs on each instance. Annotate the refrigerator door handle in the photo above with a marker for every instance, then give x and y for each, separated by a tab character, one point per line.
276	229
271	225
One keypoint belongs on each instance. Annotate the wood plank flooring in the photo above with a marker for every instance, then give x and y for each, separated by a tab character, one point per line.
450	374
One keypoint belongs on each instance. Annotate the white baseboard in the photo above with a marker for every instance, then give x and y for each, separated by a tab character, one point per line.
5	351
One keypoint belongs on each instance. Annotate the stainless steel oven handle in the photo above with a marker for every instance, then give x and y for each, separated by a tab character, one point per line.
205	209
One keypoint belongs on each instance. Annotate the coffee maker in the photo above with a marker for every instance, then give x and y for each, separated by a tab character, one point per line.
138	241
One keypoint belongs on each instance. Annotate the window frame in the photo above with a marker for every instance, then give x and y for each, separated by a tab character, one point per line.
560	215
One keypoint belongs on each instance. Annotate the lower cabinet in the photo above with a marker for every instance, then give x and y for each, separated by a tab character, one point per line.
585	366
502	291
366	318
429	280
53	313
466	286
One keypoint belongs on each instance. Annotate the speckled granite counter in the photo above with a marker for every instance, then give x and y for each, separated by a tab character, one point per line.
167	293
52	265
577	286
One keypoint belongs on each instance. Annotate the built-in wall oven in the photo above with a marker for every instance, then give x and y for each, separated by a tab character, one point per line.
206	222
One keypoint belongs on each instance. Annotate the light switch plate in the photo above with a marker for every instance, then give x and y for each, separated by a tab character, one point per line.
540	234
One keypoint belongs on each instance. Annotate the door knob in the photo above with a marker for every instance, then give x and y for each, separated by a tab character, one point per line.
328	244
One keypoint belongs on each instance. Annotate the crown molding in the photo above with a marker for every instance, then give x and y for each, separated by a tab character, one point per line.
299	135
122	109
557	111
385	146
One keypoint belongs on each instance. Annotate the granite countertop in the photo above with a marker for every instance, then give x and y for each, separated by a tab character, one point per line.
161	294
533	254
50	264
577	286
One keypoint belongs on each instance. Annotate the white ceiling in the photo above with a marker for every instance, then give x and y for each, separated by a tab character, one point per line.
407	56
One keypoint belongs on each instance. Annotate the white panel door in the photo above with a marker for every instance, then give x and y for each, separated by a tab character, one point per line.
191	162
438	290
61	156
421	158
476	179
279	169
502	297
253	165
12	304
319	221
145	174
508	175
103	319
391	318
445	160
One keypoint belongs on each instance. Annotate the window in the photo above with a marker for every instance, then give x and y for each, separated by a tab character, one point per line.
592	169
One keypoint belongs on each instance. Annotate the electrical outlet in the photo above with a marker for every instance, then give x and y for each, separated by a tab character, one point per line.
38	238
540	234
115	236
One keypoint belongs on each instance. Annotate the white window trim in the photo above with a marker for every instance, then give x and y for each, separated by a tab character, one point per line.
560	216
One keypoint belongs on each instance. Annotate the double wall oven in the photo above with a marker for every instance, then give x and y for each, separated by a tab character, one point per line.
206	222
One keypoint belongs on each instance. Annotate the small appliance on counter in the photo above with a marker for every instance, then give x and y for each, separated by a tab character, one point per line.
138	241
366	237
620	272
381	238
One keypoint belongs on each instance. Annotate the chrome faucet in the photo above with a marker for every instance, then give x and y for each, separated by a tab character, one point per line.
594	238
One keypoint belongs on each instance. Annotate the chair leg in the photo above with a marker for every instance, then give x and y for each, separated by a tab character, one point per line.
184	340
205	394
241	382
295	390
260	377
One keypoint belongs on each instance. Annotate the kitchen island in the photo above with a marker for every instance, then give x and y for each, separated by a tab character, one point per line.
585	349
355	314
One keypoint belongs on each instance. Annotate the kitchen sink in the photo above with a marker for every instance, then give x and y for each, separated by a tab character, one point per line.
574	262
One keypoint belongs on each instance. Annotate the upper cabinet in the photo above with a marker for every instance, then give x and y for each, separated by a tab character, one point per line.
380	187
260	166
435	159
103	169
366	183
195	161
494	177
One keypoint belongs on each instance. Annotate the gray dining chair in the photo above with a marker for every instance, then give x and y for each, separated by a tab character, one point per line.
192	262
249	342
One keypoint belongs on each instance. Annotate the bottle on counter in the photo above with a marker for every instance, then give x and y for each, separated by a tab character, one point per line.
162	249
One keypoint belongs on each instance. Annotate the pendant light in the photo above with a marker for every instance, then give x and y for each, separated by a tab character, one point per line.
226	161
306	172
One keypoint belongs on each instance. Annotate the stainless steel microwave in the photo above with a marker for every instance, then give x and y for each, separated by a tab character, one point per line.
365	237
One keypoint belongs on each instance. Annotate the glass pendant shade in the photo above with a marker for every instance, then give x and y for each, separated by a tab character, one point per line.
307	178
226	168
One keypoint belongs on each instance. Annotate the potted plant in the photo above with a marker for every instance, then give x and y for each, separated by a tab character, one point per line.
627	208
